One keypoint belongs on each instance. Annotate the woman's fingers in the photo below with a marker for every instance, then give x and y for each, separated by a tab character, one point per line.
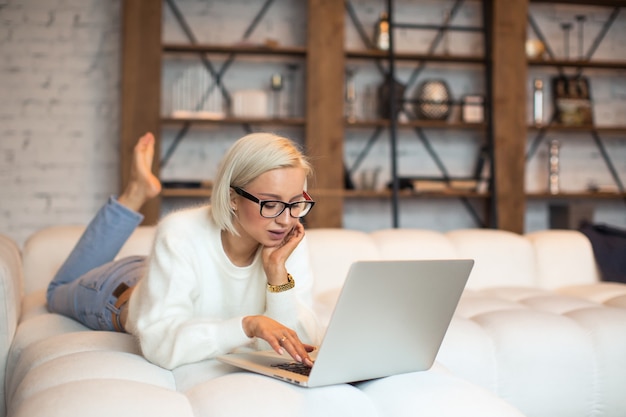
295	348
279	337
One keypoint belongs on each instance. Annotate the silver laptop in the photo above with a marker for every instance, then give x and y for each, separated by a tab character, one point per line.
390	318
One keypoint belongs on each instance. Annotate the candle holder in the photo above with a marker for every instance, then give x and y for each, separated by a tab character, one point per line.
554	167
276	88
567	27
581	23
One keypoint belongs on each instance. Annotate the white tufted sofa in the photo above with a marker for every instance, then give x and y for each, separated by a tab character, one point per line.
535	334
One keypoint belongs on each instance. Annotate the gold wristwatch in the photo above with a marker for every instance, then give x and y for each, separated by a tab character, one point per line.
282	287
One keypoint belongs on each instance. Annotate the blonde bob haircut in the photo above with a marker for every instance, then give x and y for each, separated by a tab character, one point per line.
247	158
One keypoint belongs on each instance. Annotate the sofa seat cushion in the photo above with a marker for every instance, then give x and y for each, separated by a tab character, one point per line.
607	293
57	367
105	398
223	397
435	392
516	342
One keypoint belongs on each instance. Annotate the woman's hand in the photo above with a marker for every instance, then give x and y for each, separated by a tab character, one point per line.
274	257
279	337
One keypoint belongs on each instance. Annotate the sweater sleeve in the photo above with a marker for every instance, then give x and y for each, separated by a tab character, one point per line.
282	306
162	312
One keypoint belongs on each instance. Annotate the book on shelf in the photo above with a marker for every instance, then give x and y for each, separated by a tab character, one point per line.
425	185
444	184
188	184
469	184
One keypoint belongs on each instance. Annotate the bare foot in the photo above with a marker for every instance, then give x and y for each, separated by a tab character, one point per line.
143	185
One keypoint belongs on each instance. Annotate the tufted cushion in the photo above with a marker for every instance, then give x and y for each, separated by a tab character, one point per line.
523	343
413	244
334	252
10	306
501	258
45	251
563	257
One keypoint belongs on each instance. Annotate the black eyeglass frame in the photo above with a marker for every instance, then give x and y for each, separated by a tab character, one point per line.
261	203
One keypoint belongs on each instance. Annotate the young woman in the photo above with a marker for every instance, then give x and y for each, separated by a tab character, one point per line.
231	275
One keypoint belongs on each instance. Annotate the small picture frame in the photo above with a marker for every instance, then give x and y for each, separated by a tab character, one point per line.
572	101
473	109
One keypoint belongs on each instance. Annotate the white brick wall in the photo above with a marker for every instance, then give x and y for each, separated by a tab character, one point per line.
59	88
59	78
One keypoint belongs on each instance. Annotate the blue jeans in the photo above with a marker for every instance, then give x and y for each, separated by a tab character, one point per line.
83	287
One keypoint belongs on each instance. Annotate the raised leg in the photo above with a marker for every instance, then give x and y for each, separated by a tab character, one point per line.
114	223
83	286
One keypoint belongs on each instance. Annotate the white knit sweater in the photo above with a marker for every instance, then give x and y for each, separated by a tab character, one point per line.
190	305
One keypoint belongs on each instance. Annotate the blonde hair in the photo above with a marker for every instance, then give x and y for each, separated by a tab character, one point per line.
247	158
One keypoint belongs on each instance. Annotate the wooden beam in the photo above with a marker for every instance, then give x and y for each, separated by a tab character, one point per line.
324	108
141	80
509	99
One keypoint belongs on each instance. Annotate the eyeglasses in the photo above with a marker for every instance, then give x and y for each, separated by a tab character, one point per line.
274	208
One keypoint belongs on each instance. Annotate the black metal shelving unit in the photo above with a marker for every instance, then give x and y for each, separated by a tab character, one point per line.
390	57
231	52
586	61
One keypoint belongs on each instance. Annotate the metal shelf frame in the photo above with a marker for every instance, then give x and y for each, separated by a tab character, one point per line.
580	65
388	73
217	74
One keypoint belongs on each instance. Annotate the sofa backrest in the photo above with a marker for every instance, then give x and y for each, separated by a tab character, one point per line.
563	257
11	294
332	253
501	258
45	251
547	259
413	244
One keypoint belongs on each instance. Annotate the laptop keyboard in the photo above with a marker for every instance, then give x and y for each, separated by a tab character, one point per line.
298	368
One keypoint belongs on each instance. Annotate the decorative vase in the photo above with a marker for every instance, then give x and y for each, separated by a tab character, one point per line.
384	93
433	100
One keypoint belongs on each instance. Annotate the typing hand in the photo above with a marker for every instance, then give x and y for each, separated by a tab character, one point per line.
279	337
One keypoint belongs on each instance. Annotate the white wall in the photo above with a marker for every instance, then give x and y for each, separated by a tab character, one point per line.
59	113
59	83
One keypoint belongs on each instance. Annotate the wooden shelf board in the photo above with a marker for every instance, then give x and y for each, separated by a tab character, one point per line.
186	192
235	121
426	124
598	129
582	195
613	65
404	56
234	49
614	3
386	194
351	194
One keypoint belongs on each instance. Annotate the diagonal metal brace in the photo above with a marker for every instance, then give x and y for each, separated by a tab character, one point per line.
433	154
368	146
607	160
435	42
215	74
